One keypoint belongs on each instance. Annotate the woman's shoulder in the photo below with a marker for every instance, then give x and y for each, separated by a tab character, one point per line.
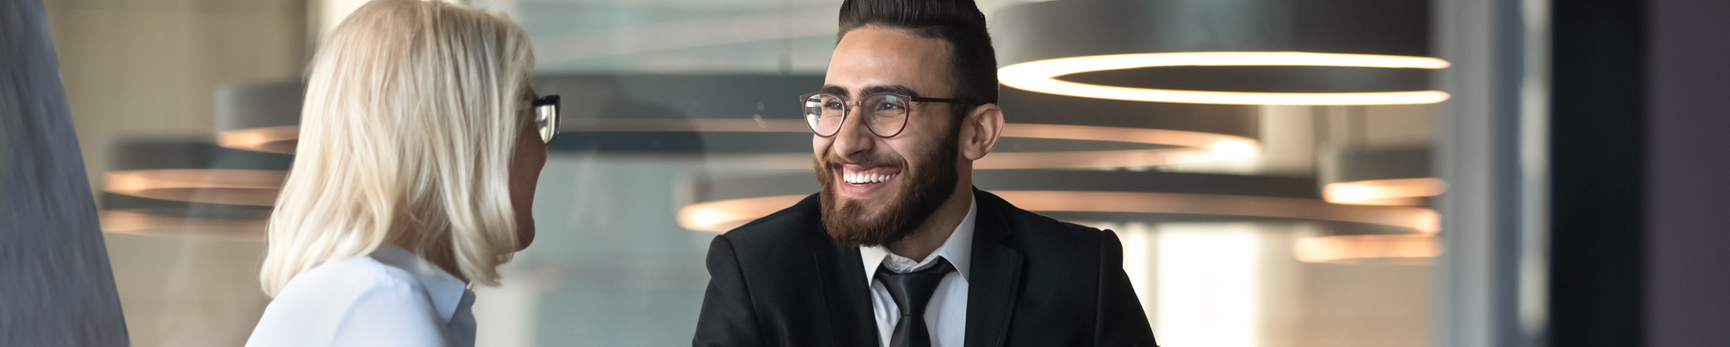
334	300
353	275
345	285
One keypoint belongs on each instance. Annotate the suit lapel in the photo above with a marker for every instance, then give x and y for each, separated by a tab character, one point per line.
995	278
846	296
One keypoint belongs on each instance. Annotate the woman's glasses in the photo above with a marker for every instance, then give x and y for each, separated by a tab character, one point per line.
884	113
547	117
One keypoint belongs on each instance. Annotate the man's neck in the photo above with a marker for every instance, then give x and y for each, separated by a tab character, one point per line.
936	229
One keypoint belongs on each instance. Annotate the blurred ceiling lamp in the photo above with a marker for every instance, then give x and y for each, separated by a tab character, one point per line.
758	128
262	117
196	172
1201	51
1092	195
1399	191
752	122
1042	76
746	121
1397	176
1176	146
1374	248
154	217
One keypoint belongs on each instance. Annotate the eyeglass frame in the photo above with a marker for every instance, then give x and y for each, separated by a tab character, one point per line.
847	104
547	117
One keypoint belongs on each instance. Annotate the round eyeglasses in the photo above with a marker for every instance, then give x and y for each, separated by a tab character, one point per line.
547	117
885	114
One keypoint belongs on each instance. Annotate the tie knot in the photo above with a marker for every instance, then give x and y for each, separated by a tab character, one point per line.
912	291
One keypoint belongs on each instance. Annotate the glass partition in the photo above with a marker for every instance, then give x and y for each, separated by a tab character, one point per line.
1267	164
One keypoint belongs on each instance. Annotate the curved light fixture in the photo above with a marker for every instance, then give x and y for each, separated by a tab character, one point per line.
276	139
1188	146
144	223
1380	176
723	215
1375	248
720	216
217	186
190	189
1039	42
1399	191
1041	76
263	117
156	217
196	172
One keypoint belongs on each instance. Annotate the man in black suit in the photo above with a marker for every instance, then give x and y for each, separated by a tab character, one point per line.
898	249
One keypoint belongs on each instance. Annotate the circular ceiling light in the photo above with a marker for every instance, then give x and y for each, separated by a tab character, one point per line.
142	223
218	186
1360	249
723	215
1381	176
1373	52
634	114
262	117
1399	191
726	204
277	139
1042	76
196	172
155	217
1184	146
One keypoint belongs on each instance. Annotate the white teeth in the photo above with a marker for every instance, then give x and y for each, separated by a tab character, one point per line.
864	178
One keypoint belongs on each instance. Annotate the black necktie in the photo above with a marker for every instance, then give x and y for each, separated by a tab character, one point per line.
912	291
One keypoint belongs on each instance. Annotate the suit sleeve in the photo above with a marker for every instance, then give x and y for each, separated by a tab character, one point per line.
1121	319
727	318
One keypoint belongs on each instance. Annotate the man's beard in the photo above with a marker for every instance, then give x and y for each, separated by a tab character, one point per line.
924	188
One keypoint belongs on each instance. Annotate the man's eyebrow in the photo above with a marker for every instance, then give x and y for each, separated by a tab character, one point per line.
894	88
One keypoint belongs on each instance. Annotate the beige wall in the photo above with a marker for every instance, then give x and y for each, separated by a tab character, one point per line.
149	69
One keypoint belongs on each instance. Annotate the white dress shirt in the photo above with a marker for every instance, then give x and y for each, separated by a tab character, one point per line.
946	314
388	298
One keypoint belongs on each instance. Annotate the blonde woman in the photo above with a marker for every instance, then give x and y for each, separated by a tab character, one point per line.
419	147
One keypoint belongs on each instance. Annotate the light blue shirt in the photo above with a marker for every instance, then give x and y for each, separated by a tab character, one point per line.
388	298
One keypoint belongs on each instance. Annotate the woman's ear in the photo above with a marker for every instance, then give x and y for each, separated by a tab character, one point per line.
979	131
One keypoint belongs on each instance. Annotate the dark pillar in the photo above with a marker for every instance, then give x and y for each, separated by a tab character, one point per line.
1597	148
56	288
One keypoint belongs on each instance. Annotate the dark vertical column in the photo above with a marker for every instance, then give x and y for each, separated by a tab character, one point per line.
1688	173
56	288
1597	150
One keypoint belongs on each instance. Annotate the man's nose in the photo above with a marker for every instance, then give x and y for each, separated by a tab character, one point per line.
853	139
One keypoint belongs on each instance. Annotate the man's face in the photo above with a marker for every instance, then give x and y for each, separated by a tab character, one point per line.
877	190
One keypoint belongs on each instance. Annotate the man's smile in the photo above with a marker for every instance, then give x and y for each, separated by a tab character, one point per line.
864	181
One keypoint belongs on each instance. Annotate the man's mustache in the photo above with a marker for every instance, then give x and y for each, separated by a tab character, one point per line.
833	161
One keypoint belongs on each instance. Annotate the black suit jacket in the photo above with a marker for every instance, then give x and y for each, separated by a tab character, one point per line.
1035	281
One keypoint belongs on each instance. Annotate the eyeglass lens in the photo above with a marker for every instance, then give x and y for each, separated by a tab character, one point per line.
884	114
547	117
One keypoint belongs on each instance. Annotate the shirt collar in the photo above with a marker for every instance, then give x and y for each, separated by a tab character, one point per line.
446	291
958	249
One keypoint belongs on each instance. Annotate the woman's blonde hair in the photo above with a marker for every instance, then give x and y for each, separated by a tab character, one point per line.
409	126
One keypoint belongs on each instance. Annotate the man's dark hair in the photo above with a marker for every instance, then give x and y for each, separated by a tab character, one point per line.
959	22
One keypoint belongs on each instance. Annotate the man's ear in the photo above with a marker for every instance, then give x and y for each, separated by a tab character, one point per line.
979	131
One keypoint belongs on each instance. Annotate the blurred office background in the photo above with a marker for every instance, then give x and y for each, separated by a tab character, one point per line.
1392	179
